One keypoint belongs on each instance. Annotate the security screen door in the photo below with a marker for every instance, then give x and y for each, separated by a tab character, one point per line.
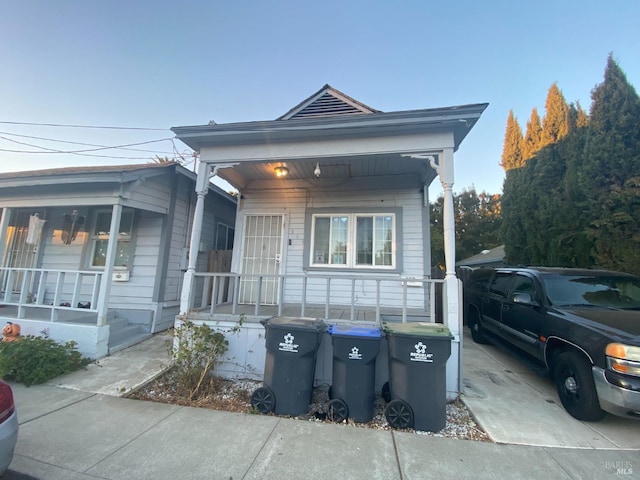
19	253
262	254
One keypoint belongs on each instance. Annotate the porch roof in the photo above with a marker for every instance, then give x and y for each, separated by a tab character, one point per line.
104	175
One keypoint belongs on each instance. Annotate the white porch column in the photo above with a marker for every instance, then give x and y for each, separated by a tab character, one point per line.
202	187
452	290
112	247
4	227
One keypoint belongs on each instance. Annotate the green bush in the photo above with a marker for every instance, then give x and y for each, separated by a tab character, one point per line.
32	360
196	350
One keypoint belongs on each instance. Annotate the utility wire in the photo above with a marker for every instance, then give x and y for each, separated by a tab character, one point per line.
83	126
95	145
53	150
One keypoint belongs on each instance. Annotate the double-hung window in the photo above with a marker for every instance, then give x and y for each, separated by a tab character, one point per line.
353	240
100	239
224	237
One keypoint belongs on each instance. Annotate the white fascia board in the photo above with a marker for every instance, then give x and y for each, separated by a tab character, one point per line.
337	147
403	123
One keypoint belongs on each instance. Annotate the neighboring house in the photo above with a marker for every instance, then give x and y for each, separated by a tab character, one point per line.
333	220
64	274
493	257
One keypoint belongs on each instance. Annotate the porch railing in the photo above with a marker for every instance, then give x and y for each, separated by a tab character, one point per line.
52	291
408	295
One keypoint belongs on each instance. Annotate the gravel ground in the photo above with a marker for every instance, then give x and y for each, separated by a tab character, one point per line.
235	396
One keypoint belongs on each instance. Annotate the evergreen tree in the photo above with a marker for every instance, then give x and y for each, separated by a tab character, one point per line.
533	136
478	222
555	124
581	118
610	174
513	143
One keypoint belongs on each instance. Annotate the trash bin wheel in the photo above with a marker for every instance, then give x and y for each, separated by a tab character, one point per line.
386	392
338	410
263	400
399	414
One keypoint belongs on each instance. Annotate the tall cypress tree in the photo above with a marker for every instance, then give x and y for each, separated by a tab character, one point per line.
512	147
555	124
610	174
533	136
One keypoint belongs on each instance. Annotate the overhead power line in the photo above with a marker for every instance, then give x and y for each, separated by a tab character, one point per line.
95	145
99	147
83	126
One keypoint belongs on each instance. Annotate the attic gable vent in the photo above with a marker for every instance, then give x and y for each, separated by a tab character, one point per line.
327	102
327	105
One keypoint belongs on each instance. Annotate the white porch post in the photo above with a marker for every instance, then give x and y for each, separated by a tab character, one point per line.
112	247
452	290
202	187
4	227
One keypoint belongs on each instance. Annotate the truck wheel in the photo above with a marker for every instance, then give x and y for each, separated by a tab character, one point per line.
576	389
477	331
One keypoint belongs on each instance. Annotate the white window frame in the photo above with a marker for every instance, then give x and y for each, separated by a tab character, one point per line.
122	237
351	260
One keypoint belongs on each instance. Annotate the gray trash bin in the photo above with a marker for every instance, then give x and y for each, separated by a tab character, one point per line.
290	362
355	349
418	354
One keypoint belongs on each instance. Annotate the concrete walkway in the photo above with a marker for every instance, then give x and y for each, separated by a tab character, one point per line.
70	431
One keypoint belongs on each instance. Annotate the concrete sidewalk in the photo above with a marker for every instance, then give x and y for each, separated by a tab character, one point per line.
66	434
69	431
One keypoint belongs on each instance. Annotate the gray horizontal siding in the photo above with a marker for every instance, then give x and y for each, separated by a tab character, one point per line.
293	204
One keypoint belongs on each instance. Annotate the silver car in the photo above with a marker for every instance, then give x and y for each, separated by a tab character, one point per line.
8	426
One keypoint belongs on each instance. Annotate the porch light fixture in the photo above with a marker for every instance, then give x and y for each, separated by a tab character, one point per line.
317	171
281	171
71	224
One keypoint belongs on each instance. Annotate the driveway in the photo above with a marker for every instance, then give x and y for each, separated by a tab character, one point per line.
515	402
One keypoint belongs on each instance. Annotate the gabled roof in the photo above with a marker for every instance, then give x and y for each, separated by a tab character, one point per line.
327	102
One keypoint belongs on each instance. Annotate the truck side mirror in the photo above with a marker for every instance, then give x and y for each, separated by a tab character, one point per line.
524	299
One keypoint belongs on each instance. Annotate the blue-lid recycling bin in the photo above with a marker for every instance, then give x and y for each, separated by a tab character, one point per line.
355	349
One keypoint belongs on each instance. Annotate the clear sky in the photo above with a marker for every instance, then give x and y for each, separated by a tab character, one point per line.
162	63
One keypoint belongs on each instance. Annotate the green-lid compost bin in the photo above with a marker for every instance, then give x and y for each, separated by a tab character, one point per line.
418	354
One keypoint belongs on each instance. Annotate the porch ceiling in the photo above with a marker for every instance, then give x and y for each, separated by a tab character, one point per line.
331	169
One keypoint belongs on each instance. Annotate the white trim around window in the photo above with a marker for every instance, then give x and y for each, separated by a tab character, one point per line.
100	238
353	241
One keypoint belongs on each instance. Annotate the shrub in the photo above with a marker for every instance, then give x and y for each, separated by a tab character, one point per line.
33	360
196	351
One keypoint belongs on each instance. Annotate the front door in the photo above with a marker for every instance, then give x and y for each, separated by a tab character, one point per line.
22	247
261	255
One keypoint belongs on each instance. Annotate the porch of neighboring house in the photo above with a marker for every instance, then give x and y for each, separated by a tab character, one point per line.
66	275
68	304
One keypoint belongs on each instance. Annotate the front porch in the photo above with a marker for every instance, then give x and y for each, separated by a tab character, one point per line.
217	301
67	305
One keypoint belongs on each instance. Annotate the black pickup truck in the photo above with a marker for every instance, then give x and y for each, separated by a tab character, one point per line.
582	324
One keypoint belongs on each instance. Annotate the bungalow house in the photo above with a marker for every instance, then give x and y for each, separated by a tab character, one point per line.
65	274
332	221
